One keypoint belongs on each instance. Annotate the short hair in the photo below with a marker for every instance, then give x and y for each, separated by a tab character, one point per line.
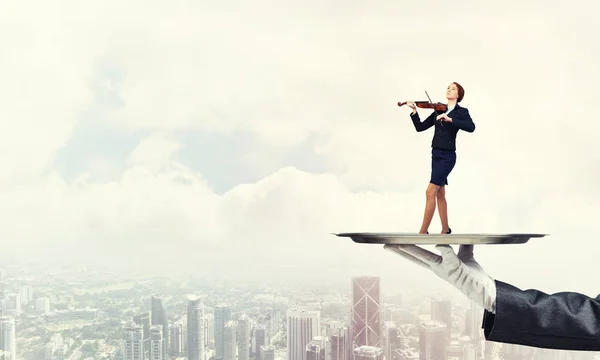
461	91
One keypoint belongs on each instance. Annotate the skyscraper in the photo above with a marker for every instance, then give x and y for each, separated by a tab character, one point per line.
176	338
267	352
391	342
157	343
319	348
367	353
243	338
133	342
259	338
432	340
302	327
441	311
366	322
195	329
229	340
340	343
7	338
159	317
222	316
143	320
473	322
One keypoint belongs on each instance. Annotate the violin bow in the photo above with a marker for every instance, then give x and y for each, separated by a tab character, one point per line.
431	102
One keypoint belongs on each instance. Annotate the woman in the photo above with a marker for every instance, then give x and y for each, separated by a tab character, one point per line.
443	152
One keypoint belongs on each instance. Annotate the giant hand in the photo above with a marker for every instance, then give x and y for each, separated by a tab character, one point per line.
462	271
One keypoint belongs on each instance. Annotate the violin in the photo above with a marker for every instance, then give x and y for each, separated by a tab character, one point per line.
428	105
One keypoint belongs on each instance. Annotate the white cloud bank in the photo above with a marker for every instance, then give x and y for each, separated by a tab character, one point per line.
282	73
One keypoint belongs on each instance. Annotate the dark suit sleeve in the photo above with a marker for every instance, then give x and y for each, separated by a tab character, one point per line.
422	126
463	121
565	320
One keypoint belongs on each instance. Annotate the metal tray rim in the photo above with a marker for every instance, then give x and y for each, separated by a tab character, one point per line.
432	239
407	234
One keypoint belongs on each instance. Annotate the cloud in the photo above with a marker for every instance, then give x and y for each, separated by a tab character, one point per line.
155	150
43	87
285	75
166	220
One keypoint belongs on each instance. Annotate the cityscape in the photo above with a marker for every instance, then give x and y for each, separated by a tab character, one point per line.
84	314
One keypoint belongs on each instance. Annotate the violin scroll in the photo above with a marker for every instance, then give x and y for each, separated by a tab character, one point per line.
428	105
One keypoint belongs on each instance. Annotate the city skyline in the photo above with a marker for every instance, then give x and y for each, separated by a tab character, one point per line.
142	330
296	325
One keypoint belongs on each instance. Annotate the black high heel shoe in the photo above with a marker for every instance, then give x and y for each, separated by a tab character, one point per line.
447	232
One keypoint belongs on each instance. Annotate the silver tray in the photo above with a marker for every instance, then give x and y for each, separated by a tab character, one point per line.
434	239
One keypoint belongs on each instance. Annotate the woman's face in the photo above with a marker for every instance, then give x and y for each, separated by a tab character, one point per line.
452	92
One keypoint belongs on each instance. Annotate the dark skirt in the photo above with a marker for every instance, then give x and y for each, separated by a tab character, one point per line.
442	163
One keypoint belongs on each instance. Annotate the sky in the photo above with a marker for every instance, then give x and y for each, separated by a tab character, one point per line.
229	138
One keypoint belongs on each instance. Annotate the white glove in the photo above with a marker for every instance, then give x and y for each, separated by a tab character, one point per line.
462	271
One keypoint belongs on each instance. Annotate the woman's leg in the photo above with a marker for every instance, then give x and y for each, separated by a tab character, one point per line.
430	195
442	207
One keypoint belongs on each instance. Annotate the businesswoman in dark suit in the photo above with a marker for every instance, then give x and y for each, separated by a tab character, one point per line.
443	151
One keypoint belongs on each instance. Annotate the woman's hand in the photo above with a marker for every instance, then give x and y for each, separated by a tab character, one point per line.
444	118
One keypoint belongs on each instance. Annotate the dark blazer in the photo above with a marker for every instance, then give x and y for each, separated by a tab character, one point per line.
565	320
445	132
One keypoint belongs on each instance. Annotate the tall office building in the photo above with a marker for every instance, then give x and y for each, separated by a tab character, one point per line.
222	316
157	343
441	311
209	325
432	340
273	322
176	338
367	353
473	318
366	322
302	327
267	352
318	349
26	293
133	342
340	343
159	317
143	320
243	338
391	341
8	341
259	338
229	340
195	329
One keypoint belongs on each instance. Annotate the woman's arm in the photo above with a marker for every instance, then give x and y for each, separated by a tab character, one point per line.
564	320
422	126
463	121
